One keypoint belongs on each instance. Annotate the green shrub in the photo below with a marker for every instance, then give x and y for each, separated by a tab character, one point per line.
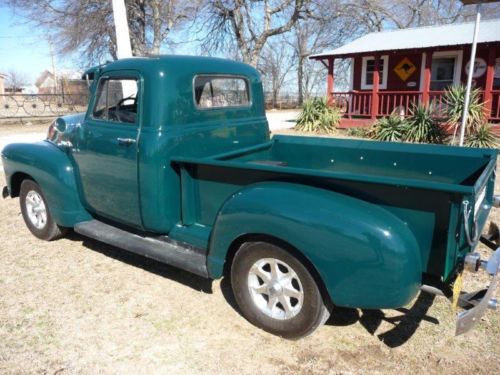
391	129
318	117
423	127
358	132
482	136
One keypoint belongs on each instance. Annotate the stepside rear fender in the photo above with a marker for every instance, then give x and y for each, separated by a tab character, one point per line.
365	256
51	168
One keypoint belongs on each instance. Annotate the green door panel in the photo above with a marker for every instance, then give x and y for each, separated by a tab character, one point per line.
51	168
108	171
105	153
366	256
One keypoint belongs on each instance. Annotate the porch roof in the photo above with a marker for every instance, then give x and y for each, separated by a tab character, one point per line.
417	38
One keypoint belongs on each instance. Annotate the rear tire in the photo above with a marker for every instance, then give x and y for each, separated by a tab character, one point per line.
36	213
276	292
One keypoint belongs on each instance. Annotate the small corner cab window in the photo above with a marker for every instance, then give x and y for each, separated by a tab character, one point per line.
116	100
220	92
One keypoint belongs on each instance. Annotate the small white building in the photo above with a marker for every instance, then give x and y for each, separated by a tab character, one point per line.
68	81
2	83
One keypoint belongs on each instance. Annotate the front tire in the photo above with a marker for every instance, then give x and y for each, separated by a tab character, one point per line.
36	212
276	292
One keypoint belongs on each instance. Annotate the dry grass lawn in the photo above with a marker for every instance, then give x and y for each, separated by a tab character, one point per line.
78	306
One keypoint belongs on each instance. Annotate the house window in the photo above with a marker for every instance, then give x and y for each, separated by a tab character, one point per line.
442	73
367	72
445	69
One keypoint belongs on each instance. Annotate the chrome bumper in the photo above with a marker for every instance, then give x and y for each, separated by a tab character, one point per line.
479	300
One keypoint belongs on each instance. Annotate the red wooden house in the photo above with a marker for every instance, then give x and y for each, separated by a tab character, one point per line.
393	70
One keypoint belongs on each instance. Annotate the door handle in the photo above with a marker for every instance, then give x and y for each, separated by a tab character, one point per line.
125	141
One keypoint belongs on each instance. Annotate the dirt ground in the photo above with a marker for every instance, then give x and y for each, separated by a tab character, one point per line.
78	306
17	127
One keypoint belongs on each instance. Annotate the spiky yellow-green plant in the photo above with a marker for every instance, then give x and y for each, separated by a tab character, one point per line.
390	129
482	136
423	127
454	105
318	117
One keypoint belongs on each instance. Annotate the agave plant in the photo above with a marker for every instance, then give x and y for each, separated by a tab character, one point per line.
423	127
454	101
482	136
318	117
390	129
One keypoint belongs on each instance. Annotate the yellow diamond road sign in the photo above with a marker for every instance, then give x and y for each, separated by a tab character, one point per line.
405	69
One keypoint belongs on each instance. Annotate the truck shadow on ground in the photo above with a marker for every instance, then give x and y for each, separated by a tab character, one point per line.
405	325
161	269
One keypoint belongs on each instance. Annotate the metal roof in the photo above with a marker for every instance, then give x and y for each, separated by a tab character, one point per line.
418	37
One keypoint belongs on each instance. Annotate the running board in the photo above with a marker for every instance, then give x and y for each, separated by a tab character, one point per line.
164	250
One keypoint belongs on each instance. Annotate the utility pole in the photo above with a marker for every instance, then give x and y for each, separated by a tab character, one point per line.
123	47
54	73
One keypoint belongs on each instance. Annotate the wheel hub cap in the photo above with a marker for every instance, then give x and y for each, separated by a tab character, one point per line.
36	210
275	288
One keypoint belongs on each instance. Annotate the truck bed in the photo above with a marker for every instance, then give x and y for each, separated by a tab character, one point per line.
406	163
424	185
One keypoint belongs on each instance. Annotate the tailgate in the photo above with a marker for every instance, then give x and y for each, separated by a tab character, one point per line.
468	216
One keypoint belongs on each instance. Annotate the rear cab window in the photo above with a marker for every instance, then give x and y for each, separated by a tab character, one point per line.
215	91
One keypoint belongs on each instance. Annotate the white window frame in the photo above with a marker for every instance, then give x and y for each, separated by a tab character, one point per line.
458	55
351	77
385	69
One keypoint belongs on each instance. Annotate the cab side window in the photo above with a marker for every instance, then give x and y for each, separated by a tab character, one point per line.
116	100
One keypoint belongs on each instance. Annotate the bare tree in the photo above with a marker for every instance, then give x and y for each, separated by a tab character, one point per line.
249	24
275	65
326	28
152	21
87	26
15	80
377	15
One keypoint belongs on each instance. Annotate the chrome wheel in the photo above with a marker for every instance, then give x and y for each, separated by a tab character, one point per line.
36	210
275	288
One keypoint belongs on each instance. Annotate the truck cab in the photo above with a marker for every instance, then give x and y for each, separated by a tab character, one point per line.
173	160
143	112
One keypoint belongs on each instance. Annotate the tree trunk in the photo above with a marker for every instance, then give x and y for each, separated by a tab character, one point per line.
155	5
300	80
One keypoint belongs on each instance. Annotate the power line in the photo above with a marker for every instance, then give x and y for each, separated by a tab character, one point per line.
19	37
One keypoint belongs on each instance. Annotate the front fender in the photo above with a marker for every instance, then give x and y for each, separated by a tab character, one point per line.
51	168
366	256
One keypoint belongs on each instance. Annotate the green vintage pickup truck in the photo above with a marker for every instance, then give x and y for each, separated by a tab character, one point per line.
173	160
